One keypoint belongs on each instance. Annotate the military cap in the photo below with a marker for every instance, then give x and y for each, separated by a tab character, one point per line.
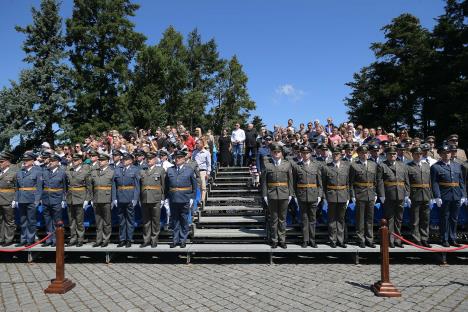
45	154
323	147
391	150
385	143
452	137
103	156
374	147
127	155
6	156
443	148
416	149
276	147
77	156
335	150
117	153
139	152
296	146
362	148
407	141
348	146
151	155
453	147
180	153
305	149
267	138
425	147
401	146
55	157
430	137
162	153
29	156
93	153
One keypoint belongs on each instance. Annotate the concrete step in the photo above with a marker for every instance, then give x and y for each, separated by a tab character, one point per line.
233	169
231	208
230	199
230	233
231	219
236	191
227	178
229	184
225	173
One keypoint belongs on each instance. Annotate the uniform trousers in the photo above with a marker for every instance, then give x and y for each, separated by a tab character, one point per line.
277	210
420	214
179	221
448	220
126	213
309	220
27	213
103	216
365	221
336	222
393	212
151	215
52	215
76	222
7	224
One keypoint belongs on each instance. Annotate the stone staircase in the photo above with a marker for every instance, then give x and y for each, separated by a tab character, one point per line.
232	213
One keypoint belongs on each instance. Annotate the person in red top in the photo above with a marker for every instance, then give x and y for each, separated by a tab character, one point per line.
188	141
380	134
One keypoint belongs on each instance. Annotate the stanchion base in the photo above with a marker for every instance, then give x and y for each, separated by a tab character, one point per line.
59	287
385	290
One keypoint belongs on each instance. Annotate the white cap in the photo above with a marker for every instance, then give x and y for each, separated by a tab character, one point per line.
45	145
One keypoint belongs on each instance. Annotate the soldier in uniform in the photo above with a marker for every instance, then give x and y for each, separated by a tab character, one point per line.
426	157
335	177
127	188
53	196
308	189
116	159
296	156
459	154
93	156
102	192
28	197
152	199
363	183
79	194
140	161
374	153
277	191
448	188
7	199
181	186
402	156
264	152
164	159
349	150
393	190
419	173
322	154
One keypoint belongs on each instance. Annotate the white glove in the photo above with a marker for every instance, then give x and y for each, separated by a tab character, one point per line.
375	199
318	200
408	201
14	204
162	203
296	201
166	204
289	199
353	199
114	203
347	202
64	204
85	204
266	200
134	202
92	204
191	203
382	199
462	201
438	202
431	202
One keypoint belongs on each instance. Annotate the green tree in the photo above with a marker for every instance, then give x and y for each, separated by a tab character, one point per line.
103	44
257	122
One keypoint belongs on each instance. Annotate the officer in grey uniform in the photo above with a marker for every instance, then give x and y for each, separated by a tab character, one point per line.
79	194
29	186
363	183
53	196
277	192
393	189
7	199
181	186
152	200
419	173
102	191
116	159
308	189
127	188
140	161
335	177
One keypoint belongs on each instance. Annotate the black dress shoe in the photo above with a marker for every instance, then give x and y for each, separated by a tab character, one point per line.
454	244
313	244
71	244
128	245
105	244
144	245
21	244
426	244
173	245
399	244
283	245
371	245
7	244
445	244
304	245
362	245
182	245
333	245
52	245
80	244
274	245
97	244
391	245
46	244
342	245
154	245
121	244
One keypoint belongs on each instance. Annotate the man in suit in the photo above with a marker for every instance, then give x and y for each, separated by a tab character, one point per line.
335	178
181	186
363	183
127	195
308	189
28	196
152	199
78	197
277	191
53	196
7	199
393	189
419	173
448	188
102	196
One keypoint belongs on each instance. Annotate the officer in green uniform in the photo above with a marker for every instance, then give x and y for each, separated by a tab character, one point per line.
419	173
94	158
101	182
7	199
79	194
277	191
308	189
152	199
363	183
335	177
393	189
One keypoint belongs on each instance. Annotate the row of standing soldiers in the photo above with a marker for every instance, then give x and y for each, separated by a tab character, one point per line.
312	182
101	185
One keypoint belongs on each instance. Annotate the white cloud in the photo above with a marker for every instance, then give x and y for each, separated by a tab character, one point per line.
290	92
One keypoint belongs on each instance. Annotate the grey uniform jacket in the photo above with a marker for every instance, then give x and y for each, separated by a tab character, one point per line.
7	186
277	181
152	185
102	184
420	181
79	185
363	180
307	181
392	180
336	182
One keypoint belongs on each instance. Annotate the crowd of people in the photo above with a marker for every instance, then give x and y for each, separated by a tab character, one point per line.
308	166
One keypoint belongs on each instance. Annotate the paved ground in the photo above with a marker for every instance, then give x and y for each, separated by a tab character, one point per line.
234	285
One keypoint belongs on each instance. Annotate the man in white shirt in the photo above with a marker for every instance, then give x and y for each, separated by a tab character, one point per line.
237	139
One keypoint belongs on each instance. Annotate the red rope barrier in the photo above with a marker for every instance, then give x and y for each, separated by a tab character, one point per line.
26	247
430	249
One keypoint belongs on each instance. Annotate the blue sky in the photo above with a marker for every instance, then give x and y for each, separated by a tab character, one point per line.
298	54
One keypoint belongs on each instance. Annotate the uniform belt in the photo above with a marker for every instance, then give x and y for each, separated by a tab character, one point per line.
53	189
337	187
449	184
77	188
396	183
272	184
125	187
307	185
103	188
420	185
178	189
27	189
7	190
364	184
152	187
